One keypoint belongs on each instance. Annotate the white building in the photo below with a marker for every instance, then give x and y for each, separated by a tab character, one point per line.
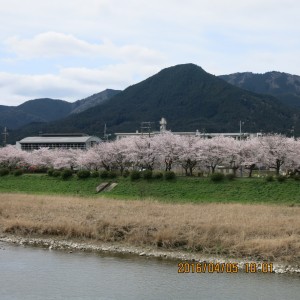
62	141
163	128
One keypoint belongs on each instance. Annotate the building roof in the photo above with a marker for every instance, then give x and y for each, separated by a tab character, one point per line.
64	134
189	133
58	139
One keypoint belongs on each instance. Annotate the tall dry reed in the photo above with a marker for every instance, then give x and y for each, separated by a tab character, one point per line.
239	230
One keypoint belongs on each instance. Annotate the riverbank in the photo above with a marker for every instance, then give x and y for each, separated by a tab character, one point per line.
181	256
251	232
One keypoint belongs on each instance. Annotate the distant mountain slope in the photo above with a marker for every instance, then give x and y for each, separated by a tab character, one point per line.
47	110
96	99
285	87
12	117
188	97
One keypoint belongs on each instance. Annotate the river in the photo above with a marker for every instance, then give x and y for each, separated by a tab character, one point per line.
35	273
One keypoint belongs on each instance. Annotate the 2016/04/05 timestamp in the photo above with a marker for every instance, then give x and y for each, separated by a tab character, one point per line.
205	267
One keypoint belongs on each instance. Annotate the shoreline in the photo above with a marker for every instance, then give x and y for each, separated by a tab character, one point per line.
211	232
149	252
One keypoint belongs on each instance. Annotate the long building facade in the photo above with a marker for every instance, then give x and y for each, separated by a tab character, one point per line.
58	141
163	128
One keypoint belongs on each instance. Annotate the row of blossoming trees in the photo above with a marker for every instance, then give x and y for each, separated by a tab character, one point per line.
166	151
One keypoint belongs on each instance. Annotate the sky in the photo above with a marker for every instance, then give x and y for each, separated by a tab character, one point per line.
71	49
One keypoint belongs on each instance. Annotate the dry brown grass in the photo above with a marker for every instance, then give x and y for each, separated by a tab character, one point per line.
239	230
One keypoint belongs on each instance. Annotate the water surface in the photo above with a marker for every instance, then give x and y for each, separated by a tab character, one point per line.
35	273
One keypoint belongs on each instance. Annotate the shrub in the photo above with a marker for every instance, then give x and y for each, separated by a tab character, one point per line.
169	175
50	172
67	173
83	174
4	172
112	174
126	173
158	175
296	177
135	175
217	177
281	178
95	174
230	176
18	172
269	178
56	173
147	174
104	174
40	170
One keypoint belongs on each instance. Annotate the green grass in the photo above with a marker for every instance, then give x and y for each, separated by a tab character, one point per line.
44	184
243	190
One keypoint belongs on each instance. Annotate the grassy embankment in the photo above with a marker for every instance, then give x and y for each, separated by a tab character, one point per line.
196	190
241	224
236	230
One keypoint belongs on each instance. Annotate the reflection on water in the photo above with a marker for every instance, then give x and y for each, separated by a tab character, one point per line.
33	273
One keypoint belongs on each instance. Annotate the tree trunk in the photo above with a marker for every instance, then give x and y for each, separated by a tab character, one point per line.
251	170
213	169
278	165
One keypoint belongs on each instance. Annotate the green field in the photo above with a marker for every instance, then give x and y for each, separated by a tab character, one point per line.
183	189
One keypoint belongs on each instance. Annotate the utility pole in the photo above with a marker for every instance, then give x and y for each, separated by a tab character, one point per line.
241	167
293	132
105	135
5	135
241	123
146	128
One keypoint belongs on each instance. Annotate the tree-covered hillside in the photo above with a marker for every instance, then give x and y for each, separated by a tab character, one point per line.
47	110
188	97
285	87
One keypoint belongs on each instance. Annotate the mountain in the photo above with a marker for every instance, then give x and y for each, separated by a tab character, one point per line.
16	116
285	87
47	110
94	100
188	97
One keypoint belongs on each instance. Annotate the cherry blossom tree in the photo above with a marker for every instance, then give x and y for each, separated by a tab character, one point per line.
167	149
217	151
100	156
276	150
142	152
250	154
65	158
11	157
189	153
167	145
121	153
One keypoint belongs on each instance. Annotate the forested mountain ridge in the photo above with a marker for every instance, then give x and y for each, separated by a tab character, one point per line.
94	100
188	97
17	116
47	110
284	86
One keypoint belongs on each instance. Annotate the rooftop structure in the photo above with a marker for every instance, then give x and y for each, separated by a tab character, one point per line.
62	141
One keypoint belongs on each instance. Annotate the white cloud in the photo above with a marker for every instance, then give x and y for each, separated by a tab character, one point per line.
53	44
129	63
70	49
70	83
